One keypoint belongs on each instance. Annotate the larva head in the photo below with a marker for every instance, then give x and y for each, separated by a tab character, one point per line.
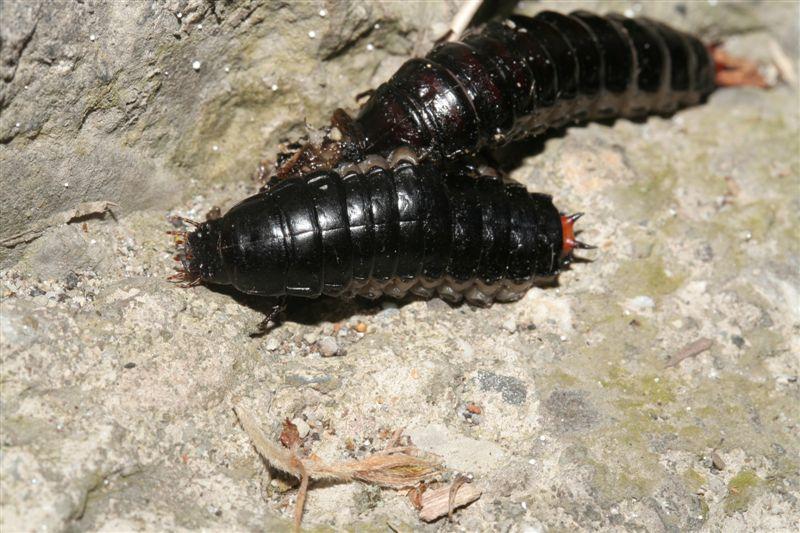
569	242
201	254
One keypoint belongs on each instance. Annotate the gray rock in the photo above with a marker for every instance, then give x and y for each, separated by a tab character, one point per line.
513	390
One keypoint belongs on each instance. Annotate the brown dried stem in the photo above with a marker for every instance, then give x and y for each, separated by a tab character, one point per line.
397	467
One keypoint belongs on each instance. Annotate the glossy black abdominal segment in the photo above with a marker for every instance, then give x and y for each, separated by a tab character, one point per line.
411	228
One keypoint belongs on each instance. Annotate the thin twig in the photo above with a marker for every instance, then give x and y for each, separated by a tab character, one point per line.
690	350
463	18
451	499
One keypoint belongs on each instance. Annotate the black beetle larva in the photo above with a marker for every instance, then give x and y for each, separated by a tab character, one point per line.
515	79
370	230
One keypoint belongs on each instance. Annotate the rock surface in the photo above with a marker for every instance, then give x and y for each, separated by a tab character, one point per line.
117	387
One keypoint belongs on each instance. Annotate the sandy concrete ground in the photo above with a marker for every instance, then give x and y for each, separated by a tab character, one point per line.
118	387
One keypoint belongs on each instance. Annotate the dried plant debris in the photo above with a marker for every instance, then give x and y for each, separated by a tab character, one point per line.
443	501
735	71
395	467
81	213
690	350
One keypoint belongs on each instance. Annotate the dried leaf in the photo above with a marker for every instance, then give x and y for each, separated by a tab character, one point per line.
437	503
290	437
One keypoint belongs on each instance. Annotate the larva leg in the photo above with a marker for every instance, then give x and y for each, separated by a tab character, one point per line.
342	142
272	319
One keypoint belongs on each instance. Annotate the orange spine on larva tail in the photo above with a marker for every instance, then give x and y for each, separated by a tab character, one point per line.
570	243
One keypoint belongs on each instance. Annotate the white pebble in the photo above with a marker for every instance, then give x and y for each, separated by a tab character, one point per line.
370	47
312	34
377	26
199	26
196	65
179	15
66	185
274	87
328	346
302	427
93	37
272	344
510	325
641	303
17	125
227	69
628	13
323	13
215	148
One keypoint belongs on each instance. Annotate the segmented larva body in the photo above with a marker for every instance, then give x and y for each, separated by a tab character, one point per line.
517	78
368	230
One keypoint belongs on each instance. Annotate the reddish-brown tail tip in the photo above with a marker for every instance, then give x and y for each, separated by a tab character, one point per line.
570	243
734	71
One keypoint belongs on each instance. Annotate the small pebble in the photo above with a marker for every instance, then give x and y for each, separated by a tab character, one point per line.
474	409
640	304
311	338
312	34
510	325
361	327
302	427
71	281
323	13
196	65
328	346
717	462
93	37
272	344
